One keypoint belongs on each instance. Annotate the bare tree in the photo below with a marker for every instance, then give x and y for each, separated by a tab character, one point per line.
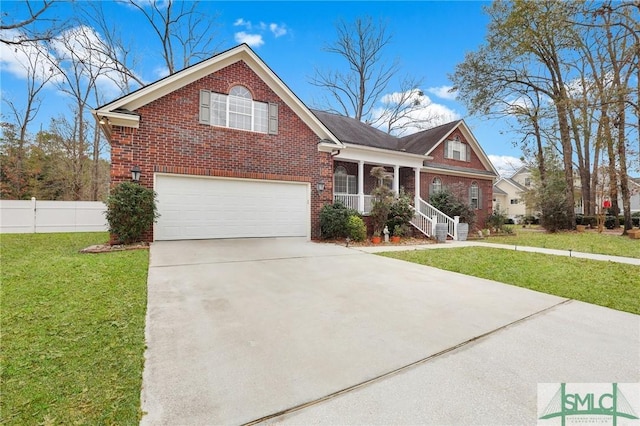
27	26
38	73
407	109
354	92
186	34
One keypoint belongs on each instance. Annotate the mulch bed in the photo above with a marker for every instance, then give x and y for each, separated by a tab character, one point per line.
409	241
108	248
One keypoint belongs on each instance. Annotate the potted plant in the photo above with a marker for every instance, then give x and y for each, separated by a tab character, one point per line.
399	231
376	238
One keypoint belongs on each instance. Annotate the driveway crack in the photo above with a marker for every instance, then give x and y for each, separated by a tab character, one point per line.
403	368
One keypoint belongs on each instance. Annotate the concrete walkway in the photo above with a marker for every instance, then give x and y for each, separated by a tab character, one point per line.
457	244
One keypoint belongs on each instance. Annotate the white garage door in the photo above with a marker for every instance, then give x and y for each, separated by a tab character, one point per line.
200	208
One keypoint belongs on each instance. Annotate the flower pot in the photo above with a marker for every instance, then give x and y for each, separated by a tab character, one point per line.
395	238
376	239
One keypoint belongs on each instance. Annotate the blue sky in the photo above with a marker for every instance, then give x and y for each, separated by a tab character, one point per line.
428	38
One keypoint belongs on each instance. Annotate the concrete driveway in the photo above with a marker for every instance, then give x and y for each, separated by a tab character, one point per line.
290	331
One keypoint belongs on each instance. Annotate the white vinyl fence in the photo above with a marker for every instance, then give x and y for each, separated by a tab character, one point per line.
34	216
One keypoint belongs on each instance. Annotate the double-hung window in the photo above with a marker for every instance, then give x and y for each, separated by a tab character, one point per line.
457	150
344	183
238	110
474	196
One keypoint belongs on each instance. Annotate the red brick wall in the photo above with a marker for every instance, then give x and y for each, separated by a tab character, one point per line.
485	185
438	155
170	139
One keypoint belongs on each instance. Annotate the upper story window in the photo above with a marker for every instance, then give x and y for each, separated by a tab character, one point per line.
457	150
527	181
514	201
238	110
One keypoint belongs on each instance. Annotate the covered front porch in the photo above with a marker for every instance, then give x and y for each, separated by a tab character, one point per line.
353	183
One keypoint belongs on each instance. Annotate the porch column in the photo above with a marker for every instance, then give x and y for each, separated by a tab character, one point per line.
361	186
416	201
396	179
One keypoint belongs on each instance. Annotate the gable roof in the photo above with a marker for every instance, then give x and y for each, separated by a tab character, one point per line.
426	140
120	111
350	130
512	182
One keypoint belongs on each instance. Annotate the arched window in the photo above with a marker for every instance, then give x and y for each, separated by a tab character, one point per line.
436	186
474	196
344	183
238	110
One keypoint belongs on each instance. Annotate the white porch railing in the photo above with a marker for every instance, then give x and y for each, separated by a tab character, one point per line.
429	211
351	201
423	223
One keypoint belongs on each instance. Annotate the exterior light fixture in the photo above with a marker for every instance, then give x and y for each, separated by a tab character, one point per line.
103	120
135	174
320	186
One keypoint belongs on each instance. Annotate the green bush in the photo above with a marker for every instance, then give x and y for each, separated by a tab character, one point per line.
356	229
496	220
400	212
131	211
453	204
333	220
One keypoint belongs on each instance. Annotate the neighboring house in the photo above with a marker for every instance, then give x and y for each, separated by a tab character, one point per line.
508	196
232	152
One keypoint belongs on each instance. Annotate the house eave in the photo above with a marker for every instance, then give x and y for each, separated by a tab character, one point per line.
462	173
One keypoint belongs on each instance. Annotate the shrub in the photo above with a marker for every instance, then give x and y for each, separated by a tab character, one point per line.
452	205
333	220
382	200
401	230
131	211
531	220
356	229
400	212
496	220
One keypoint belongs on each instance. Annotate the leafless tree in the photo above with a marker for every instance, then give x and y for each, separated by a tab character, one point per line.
38	73
185	33
27	26
355	91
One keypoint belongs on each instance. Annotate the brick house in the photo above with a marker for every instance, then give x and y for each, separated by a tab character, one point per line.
232	152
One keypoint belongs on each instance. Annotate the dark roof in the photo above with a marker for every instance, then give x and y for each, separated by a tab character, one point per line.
422	142
350	130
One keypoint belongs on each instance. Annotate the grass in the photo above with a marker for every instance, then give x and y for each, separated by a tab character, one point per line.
587	242
613	285
72	331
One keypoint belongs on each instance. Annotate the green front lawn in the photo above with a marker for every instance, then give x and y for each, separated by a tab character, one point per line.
586	242
72	331
608	284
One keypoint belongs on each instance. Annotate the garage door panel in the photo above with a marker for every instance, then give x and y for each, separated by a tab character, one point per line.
200	208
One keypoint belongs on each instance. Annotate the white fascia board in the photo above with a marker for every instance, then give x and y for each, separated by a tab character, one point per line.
457	173
380	156
182	78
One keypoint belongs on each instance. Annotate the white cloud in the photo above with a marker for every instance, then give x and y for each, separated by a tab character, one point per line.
240	22
505	164
161	71
29	58
423	112
254	34
443	92
278	30
253	40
